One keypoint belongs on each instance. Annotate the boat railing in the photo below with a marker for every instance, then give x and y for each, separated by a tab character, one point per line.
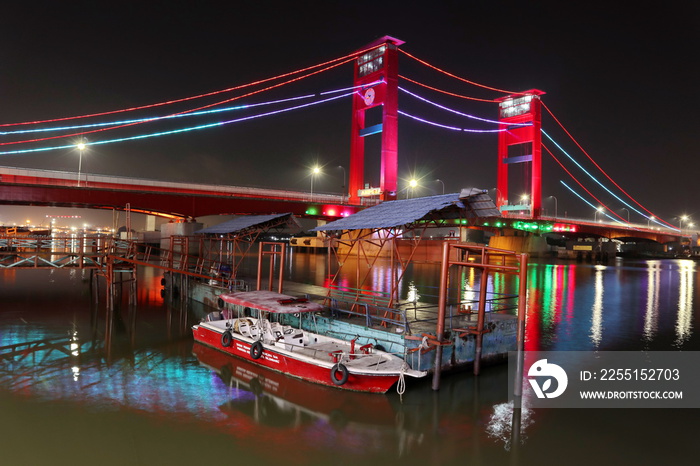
373	311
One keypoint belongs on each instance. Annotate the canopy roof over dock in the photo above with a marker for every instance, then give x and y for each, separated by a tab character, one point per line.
470	203
249	223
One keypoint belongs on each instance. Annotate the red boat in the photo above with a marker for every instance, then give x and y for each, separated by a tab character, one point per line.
251	330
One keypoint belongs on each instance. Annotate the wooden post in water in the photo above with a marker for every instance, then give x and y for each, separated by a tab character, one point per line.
520	336
442	304
481	316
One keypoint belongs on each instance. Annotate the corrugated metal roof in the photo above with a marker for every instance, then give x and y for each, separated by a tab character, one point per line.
470	203
479	203
242	223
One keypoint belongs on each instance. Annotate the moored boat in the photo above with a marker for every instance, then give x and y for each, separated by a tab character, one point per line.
253	329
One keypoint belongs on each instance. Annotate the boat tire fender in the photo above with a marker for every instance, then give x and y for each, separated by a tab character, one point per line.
226	339
339	368
256	350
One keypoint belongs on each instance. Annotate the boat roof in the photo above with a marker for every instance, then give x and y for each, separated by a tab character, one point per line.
271	301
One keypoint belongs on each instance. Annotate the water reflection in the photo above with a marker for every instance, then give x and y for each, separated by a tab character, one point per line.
597	310
651	313
147	367
685	301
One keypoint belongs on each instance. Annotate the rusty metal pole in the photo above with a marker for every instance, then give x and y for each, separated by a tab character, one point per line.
270	276
481	316
260	256
282	257
442	304
520	337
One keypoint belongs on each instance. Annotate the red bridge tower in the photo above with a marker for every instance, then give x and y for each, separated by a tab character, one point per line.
521	115
376	71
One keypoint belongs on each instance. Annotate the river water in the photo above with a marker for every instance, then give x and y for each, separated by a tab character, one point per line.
134	389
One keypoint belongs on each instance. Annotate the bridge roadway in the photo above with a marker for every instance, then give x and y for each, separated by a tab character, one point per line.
625	232
162	198
187	200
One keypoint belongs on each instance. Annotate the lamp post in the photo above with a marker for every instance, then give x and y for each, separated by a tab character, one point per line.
443	185
555	206
81	147
649	219
314	171
680	222
628	215
595	215
343	186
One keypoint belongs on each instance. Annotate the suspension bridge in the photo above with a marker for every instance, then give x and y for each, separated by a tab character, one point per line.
526	129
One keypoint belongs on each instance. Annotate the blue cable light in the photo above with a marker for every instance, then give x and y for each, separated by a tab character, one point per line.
593	206
593	177
181	130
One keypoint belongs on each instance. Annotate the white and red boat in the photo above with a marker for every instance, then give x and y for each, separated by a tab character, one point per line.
251	330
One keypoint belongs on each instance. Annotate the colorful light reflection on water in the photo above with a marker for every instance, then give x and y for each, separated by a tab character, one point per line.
149	378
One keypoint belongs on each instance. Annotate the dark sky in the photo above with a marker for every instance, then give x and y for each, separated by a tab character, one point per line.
620	76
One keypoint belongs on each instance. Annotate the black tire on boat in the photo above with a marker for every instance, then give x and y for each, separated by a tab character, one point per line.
256	350
221	303
226	339
339	368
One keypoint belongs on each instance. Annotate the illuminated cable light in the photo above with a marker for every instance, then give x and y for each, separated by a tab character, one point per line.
181	130
361	86
458	77
344	59
577	181
604	212
446	92
158	118
197	113
452	110
178	113
591	176
453	128
599	168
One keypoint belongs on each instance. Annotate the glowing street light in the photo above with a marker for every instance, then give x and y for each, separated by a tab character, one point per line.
81	147
412	184
314	171
681	220
650	219
597	211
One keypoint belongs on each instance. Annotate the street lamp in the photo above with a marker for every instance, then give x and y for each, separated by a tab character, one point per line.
680	225
343	186
628	214
314	171
555	206
412	185
81	147
598	210
443	185
649	219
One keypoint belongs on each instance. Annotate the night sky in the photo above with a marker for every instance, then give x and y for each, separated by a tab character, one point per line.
621	77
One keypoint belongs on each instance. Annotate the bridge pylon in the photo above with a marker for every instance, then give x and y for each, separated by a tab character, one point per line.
521	116
376	72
